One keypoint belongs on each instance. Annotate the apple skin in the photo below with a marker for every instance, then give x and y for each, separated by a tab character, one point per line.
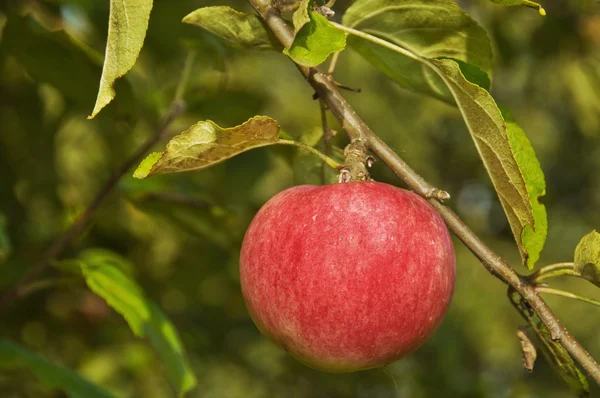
347	277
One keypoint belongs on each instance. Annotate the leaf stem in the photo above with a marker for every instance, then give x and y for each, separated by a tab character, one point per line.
333	63
552	271
329	161
356	128
377	40
562	293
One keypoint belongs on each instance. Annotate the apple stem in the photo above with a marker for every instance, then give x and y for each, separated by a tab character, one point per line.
356	157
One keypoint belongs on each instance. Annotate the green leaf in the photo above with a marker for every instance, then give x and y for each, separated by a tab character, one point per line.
5	245
145	319
525	3
128	22
205	144
429	29
557	356
238	29
43	53
120	292
145	167
167	343
473	74
301	16
54	377
499	154
98	257
533	237
587	257
315	37
561	362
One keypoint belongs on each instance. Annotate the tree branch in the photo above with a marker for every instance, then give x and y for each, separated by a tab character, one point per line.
356	128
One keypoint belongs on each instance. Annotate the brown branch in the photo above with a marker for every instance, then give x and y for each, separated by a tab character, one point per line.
357	129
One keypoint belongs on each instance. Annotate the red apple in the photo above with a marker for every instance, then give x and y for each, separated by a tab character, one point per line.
347	276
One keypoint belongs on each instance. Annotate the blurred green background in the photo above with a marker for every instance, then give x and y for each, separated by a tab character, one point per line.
185	255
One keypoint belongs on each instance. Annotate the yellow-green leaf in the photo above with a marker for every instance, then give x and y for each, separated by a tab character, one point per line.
301	16
54	377
205	144
587	257
316	41
429	29
128	22
488	130
533	237
315	38
145	319
144	168
238	29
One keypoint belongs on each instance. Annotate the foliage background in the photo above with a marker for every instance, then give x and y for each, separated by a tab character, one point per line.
53	161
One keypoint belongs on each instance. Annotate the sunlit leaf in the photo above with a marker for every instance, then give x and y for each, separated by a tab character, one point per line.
315	37
429	29
238	29
489	132
525	3
473	74
52	376
128	22
205	144
145	319
533	237
587	257
301	16
120	292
